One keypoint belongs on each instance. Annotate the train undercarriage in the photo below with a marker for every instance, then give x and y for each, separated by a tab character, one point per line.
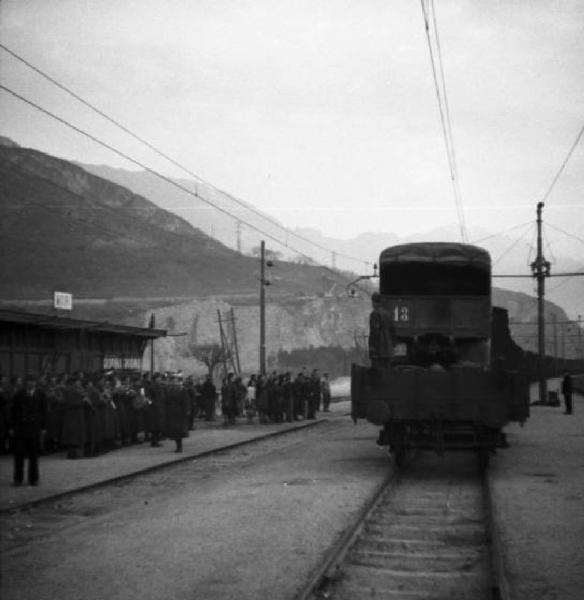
461	409
440	435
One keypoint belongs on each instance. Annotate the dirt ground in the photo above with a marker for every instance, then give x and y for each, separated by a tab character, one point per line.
247	525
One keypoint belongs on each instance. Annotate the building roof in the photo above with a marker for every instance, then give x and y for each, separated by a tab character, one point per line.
445	253
63	323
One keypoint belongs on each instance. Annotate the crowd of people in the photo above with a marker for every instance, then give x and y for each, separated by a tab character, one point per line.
88	414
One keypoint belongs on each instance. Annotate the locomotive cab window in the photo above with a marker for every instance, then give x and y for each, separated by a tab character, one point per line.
431	279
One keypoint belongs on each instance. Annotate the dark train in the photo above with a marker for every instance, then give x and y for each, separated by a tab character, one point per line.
440	390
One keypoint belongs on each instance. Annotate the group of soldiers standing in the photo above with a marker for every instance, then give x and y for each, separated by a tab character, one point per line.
86	415
275	397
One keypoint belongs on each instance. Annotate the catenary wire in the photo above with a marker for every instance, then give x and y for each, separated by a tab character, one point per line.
563	165
177	164
444	118
161	176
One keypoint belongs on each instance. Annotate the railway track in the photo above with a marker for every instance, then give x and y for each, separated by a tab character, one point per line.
428	534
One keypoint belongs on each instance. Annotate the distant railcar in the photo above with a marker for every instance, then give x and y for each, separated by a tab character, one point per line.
440	391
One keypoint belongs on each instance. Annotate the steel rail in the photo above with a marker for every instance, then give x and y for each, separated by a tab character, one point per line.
317	586
321	577
500	587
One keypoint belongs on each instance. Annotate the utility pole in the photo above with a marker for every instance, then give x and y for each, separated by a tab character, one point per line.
541	270
262	308
237	364
152	325
224	345
263	283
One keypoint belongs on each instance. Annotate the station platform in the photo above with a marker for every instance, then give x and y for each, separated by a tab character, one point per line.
538	489
60	476
538	501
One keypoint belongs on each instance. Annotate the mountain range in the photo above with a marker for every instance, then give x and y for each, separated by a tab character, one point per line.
63	228
512	252
122	251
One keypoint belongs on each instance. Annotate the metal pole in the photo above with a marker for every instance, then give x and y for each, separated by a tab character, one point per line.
540	308
262	308
152	325
235	346
224	345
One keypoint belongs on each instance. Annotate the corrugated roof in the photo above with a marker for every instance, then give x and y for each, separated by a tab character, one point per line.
447	253
57	322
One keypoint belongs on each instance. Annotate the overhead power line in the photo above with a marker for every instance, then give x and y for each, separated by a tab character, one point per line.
174	162
440	86
563	165
488	237
160	175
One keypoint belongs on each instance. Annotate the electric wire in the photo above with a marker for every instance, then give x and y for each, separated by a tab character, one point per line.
488	237
176	163
563	165
161	176
440	88
571	235
506	252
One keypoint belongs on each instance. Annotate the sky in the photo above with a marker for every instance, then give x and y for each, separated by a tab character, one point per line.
323	114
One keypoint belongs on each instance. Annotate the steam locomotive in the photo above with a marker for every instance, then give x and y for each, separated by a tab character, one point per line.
440	390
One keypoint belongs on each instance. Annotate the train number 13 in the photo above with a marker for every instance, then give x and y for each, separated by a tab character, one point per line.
401	314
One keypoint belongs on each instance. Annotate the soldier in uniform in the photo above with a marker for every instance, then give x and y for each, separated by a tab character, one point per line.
28	422
381	334
229	400
209	397
177	401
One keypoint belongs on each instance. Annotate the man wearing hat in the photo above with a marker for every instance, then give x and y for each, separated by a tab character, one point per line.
28	422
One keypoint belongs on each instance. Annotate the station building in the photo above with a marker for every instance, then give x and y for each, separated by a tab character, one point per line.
40	343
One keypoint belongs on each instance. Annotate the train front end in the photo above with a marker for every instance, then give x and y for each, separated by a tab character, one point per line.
439	390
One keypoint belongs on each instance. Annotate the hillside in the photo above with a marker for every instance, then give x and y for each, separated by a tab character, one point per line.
123	257
64	228
566	255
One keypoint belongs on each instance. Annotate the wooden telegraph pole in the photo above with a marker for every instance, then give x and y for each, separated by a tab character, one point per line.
262	308
541	270
152	325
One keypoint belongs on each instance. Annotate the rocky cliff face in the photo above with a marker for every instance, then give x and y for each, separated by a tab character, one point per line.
299	324
329	321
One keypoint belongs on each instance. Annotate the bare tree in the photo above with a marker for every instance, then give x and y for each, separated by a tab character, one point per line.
210	355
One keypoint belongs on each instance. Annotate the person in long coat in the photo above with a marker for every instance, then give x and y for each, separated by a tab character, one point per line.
262	400
228	400
567	391
111	426
157	409
177	401
6	395
74	417
209	398
55	408
28	422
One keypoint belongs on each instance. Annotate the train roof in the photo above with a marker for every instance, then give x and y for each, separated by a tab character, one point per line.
445	253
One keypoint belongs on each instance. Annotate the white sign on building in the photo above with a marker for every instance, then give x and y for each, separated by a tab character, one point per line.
63	300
